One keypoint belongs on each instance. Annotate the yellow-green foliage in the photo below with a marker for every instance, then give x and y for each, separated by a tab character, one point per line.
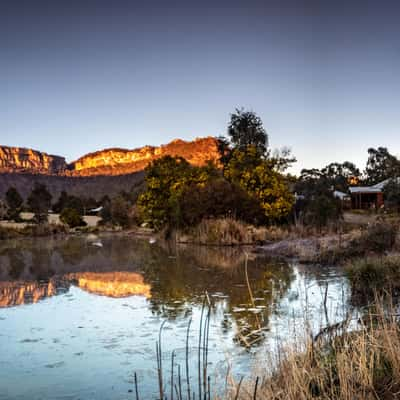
166	179
259	178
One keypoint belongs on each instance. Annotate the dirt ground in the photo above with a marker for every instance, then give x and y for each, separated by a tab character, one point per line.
356	218
91	220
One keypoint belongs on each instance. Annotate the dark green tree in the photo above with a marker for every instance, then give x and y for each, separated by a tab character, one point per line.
219	199
246	128
39	202
68	201
71	217
340	175
381	165
316	204
120	211
105	212
14	203
391	192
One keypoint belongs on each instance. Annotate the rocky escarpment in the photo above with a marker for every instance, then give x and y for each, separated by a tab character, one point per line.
105	162
18	159
105	172
123	161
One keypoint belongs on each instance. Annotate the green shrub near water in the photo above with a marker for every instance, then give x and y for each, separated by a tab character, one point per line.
71	217
374	275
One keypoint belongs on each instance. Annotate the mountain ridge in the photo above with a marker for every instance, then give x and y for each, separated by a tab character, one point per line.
103	172
109	161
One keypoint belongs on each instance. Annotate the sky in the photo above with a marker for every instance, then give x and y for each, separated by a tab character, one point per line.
80	76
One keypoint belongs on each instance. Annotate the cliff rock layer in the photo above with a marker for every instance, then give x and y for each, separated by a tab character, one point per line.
18	159
123	161
105	162
105	172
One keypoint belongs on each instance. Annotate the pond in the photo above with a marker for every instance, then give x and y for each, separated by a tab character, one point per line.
79	316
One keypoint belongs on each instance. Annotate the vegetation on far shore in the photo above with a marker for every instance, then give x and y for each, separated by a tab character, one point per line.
247	197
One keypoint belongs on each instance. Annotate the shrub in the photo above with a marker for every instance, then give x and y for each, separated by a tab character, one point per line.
68	201
374	275
39	202
218	199
14	203
379	237
71	217
119	211
223	231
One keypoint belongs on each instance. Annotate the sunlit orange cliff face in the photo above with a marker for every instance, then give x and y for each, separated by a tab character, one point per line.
18	293
18	159
112	284
108	161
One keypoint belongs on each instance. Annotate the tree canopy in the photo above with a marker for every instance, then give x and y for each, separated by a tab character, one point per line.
246	129
381	165
39	202
14	203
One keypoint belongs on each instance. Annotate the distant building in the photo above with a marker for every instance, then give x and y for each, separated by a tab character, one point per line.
344	198
368	197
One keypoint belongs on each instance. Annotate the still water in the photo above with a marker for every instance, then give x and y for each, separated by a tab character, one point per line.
79	317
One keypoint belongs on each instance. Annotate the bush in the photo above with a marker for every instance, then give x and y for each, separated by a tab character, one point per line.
374	275
14	203
119	210
223	231
218	199
71	217
39	202
379	237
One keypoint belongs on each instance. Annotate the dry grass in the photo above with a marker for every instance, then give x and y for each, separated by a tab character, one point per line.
359	365
223	231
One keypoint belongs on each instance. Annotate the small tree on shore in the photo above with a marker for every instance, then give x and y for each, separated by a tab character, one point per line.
120	211
39	202
71	217
14	202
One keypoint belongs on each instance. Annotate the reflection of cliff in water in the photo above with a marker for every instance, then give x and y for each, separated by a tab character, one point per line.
172	278
111	284
18	293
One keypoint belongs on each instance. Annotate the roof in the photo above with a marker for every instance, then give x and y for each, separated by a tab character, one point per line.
340	195
382	184
377	188
96	209
364	189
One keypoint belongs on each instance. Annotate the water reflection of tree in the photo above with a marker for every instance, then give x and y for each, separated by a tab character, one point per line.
178	276
180	281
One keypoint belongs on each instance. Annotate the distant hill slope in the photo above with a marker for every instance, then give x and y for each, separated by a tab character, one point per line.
96	186
95	174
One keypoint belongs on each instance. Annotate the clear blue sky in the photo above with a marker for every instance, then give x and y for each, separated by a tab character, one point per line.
78	76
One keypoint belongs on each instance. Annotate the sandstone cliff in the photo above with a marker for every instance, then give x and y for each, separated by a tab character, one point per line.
105	162
18	159
105	172
123	161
